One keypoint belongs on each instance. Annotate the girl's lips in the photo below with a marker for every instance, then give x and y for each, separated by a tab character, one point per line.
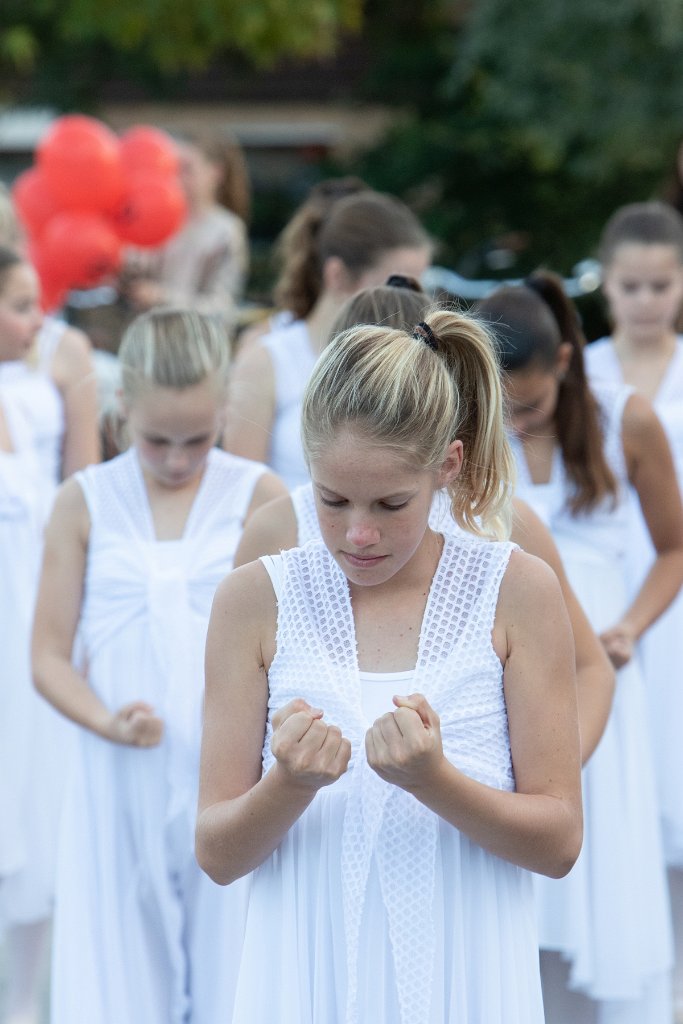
363	561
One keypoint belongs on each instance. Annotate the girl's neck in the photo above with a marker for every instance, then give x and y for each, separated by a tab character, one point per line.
388	617
321	319
170	507
539	453
645	362
200	207
633	347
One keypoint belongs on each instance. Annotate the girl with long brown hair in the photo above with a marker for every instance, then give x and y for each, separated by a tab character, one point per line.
579	451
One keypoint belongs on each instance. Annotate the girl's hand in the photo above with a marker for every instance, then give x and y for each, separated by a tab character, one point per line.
619	642
311	753
136	725
404	746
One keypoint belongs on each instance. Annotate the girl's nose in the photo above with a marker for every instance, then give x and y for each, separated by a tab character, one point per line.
362	534
177	457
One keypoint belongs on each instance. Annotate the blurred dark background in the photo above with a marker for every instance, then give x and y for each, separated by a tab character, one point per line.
513	130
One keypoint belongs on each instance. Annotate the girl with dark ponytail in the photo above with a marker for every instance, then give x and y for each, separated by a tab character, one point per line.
335	245
537	328
579	451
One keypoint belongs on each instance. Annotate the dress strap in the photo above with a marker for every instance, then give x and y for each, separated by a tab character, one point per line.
84	479
306	515
49	337
275	568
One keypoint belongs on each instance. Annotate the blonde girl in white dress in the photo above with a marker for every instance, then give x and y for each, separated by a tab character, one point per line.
291	521
54	384
24	953
52	389
392	838
23	924
579	451
134	550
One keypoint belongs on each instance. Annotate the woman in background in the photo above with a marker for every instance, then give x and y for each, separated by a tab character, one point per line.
330	252
204	266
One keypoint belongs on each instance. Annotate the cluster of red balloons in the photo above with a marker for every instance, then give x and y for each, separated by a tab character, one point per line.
88	194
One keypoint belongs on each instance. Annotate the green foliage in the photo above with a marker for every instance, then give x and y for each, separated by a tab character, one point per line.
535	120
172	34
523	123
18	47
590	82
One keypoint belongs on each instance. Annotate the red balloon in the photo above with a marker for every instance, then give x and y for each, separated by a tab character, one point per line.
81	160
52	296
152	210
77	250
33	200
53	287
149	150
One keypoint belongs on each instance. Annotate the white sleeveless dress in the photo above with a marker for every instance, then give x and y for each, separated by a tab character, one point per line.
141	934
609	917
20	545
373	908
38	398
661	649
40	747
293	358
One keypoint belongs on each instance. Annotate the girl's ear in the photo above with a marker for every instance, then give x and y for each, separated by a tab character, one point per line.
336	277
121	404
217	171
563	359
222	416
451	465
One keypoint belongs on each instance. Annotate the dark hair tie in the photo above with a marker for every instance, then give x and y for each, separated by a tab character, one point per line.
423	332
534	285
401	281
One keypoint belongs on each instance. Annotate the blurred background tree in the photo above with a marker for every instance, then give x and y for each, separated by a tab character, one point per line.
530	122
519	126
65	51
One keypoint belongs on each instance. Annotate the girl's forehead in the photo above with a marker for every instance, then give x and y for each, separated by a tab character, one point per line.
153	399
644	257
18	277
534	378
351	459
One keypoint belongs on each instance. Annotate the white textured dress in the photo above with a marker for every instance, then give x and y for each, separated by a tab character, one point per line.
293	359
609	917
142	936
661	649
372	908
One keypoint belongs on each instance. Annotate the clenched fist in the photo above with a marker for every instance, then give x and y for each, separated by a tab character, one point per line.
311	753
404	746
136	725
